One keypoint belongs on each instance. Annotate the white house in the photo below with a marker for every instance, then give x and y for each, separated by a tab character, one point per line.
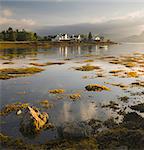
66	37
97	38
76	37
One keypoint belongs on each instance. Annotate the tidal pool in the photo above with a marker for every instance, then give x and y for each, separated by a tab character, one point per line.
33	89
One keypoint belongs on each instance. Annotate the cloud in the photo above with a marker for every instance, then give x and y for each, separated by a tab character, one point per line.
117	26
131	16
15	22
7	19
7	13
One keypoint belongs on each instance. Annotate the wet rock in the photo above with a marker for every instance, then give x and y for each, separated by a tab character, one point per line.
113	105
95	124
46	64
73	144
96	87
124	99
18	112
75	96
89	60
139	107
75	130
37	64
10	143
115	71
87	68
132	74
8	73
13	107
133	121
46	104
130	64
56	91
110	123
119	138
55	63
8	63
33	121
138	83
123	86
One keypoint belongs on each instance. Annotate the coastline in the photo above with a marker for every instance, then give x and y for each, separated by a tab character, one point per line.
46	44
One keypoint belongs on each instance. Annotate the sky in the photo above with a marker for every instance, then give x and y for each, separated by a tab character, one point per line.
52	16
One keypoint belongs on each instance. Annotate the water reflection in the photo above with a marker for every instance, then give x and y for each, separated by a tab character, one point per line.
70	51
62	51
54	77
69	112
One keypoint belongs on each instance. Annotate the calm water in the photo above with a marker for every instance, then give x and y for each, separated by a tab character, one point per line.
34	89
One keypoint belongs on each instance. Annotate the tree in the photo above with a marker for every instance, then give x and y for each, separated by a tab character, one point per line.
17	35
90	36
11	34
35	35
10	29
102	38
45	38
3	35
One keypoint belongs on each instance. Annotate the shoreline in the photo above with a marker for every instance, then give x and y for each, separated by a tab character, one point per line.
47	44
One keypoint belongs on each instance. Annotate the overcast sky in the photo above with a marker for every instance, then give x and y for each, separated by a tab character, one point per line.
36	14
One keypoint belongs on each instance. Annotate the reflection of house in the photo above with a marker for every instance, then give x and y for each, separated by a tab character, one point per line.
63	51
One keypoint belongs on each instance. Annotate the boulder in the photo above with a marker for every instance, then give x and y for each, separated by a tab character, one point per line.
75	130
33	121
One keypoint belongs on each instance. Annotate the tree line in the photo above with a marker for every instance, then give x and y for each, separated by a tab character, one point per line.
23	35
16	35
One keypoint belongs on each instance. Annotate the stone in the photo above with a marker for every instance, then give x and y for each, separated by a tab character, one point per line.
33	121
75	130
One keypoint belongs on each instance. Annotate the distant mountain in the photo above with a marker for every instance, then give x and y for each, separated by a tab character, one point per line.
110	30
134	38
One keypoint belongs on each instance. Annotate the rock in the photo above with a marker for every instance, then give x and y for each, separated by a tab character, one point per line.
75	96
33	121
56	91
96	87
46	104
75	130
87	68
133	121
138	107
18	112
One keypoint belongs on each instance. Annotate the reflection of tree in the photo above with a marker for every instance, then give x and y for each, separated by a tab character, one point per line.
19	52
90	48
